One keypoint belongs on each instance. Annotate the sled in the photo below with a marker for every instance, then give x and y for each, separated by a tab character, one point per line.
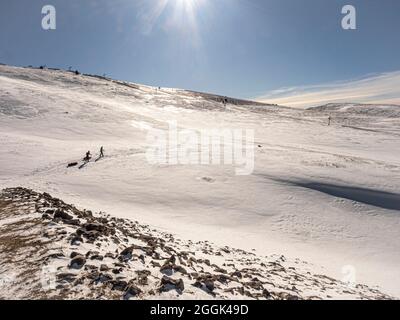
72	164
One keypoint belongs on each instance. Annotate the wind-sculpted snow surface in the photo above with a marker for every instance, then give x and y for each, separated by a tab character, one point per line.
323	191
52	250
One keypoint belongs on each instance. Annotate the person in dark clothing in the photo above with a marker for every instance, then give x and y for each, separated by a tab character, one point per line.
101	152
329	120
88	156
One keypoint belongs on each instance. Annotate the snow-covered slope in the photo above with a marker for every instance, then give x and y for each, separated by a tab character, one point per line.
325	194
368	117
52	250
368	110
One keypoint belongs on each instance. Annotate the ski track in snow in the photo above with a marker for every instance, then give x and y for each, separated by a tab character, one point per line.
306	198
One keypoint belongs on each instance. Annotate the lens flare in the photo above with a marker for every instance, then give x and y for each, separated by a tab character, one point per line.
172	16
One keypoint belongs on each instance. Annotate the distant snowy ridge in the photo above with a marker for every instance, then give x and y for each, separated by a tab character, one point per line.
206	96
386	110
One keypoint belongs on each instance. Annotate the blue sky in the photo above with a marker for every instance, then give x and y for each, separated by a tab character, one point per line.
266	49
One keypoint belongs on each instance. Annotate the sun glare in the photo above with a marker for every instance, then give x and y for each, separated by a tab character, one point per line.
173	16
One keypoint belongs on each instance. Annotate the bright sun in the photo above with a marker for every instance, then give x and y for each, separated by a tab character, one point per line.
172	14
186	8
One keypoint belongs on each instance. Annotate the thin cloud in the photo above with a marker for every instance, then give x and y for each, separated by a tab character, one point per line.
381	88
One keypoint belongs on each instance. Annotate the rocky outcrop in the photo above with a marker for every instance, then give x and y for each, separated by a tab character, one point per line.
52	250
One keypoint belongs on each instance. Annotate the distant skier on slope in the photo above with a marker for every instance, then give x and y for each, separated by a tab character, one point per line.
101	152
88	156
329	120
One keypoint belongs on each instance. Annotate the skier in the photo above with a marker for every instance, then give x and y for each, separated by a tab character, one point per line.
101	152
88	156
329	120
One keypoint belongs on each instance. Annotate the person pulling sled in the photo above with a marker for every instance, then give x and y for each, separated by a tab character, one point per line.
87	157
